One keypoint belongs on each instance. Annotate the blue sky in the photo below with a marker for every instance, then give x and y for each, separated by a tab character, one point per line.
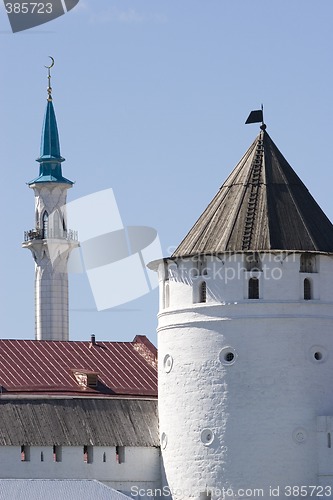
151	98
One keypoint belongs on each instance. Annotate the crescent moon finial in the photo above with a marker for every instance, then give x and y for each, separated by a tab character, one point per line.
52	63
49	88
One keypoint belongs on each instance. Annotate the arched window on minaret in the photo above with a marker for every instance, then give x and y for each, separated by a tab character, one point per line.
253	288
63	223
56	225
307	289
203	292
45	225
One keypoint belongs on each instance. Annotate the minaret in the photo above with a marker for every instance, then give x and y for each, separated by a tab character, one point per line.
245	341
50	241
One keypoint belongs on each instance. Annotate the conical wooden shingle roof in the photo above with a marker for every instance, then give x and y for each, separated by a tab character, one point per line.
262	206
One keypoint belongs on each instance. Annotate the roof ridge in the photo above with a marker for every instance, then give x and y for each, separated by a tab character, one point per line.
146	349
292	196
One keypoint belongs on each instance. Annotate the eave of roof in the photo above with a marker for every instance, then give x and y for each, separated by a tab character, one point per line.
50	178
107	422
53	489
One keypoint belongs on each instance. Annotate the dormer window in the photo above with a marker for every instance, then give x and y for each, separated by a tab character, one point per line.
92	379
308	263
86	379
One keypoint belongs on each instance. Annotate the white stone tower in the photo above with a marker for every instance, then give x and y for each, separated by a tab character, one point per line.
50	241
245	341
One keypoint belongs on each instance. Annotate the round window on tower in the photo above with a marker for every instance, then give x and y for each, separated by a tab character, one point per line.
300	435
168	363
318	354
228	356
207	436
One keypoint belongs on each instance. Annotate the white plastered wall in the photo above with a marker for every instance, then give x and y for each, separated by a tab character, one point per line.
259	410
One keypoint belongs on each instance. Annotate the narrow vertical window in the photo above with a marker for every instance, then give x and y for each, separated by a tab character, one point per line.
329	441
104	457
25	453
307	289
203	292
166	294
57	453
42	456
45	225
120	454
253	288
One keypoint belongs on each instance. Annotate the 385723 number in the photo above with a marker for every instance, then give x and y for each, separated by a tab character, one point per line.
308	491
29	8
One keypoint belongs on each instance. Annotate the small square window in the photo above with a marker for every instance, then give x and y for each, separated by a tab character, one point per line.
88	454
57	453
25	453
120	454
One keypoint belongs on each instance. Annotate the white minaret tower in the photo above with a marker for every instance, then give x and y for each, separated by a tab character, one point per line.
245	341
51	241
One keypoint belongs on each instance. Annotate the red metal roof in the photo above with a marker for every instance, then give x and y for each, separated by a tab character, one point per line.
48	367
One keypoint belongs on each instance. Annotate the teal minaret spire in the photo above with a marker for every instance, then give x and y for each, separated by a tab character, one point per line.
50	158
50	242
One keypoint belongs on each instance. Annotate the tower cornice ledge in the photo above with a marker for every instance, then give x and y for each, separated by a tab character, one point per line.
154	264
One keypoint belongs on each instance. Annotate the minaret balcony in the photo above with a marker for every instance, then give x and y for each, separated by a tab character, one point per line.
38	234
